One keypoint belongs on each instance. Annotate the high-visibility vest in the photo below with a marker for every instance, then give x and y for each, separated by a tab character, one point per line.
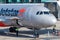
17	29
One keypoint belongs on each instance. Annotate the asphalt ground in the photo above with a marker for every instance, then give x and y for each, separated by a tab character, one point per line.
27	34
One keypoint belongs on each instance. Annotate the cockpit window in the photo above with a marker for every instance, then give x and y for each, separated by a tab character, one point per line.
39	13
46	12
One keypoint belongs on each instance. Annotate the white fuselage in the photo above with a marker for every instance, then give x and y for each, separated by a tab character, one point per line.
30	15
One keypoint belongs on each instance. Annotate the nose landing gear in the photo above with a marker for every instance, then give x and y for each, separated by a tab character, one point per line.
36	33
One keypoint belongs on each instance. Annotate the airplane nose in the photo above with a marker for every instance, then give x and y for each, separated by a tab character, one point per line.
53	21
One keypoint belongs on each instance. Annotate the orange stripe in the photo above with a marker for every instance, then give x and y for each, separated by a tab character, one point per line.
21	11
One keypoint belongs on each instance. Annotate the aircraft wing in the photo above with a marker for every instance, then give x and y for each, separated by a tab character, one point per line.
4	20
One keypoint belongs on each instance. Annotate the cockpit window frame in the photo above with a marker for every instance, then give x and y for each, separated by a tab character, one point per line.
46	12
42	12
39	13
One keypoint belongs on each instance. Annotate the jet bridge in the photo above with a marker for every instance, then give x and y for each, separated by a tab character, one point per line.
58	7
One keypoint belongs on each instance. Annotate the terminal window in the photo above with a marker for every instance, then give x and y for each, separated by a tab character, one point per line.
2	1
23	1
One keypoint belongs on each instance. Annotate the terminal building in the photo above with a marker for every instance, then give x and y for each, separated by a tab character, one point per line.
26	1
50	4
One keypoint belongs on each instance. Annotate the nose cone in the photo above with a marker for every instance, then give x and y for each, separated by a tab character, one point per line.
49	20
53	21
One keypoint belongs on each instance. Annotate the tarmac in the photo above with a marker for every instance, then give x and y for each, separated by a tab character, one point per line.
27	34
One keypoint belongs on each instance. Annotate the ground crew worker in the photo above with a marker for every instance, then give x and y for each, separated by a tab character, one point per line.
36	33
54	30
17	31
